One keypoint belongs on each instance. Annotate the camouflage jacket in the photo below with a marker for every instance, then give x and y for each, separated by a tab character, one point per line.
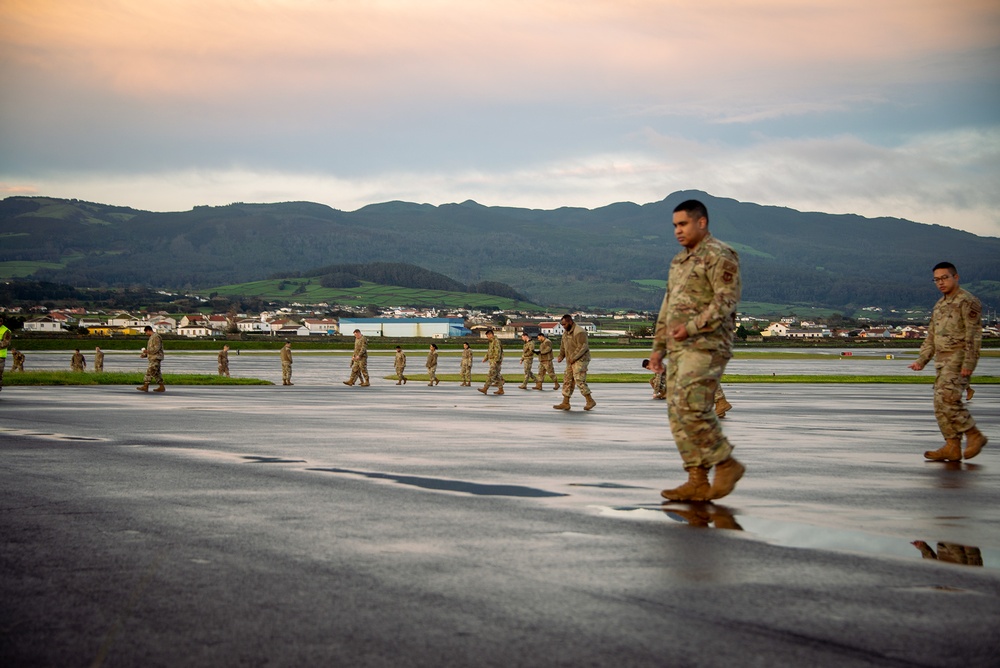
154	347
432	359
955	329
545	350
495	351
528	351
286	355
467	357
360	347
702	293
574	347
400	360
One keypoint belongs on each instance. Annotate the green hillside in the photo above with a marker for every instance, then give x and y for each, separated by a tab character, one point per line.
309	291
612	256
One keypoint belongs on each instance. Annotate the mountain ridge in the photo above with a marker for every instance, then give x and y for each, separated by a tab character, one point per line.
568	256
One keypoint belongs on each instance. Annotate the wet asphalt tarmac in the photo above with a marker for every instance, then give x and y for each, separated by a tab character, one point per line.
327	525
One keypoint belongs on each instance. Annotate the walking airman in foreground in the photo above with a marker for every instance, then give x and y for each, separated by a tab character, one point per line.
695	331
953	340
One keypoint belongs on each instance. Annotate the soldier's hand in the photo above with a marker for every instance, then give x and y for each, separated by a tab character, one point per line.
656	362
917	366
679	332
966	373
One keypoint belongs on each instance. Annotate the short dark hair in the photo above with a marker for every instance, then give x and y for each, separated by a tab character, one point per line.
693	207
147	328
645	363
434	346
565	316
946	265
357	331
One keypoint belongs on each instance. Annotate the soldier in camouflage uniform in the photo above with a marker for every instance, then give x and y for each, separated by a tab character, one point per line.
545	362
527	361
494	355
286	363
223	361
573	348
98	360
695	330
78	362
400	366
432	365
658	382
18	359
359	362
153	353
465	371
953	340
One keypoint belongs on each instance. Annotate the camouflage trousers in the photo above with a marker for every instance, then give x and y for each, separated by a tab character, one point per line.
466	372
719	394
153	372
223	370
98	367
692	379
399	373
286	372
659	384
576	377
494	379
359	368
952	416
76	367
545	367
432	373
529	376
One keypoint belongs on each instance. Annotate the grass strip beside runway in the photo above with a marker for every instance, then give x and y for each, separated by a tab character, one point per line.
119	378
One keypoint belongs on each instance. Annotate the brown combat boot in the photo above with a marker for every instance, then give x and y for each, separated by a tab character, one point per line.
564	406
484	390
143	388
695	489
538	385
161	388
349	383
951	451
556	386
499	390
975	440
727	474
590	403
722	407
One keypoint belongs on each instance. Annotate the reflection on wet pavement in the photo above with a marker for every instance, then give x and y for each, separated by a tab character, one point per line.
953	553
450	485
272	460
703	515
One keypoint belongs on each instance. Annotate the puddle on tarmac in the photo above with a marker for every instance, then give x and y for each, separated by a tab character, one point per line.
797	534
272	460
52	436
443	485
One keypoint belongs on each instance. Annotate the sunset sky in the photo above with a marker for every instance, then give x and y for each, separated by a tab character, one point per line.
876	107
